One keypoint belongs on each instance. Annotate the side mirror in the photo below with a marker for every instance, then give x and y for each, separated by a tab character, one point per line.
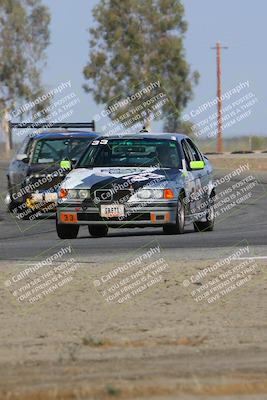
65	164
197	165
22	157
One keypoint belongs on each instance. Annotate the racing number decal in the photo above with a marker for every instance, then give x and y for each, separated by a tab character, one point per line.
70	218
97	142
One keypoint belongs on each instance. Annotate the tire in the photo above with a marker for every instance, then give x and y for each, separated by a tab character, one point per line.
67	231
11	204
177	228
12	207
208	225
98	231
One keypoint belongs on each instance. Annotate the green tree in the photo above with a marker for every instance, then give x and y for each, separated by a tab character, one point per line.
185	127
24	36
135	42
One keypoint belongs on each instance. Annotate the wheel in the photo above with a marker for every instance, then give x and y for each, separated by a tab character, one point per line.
67	231
98	230
14	208
11	204
177	228
208	225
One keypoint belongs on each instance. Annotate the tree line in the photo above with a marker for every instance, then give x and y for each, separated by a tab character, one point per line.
131	43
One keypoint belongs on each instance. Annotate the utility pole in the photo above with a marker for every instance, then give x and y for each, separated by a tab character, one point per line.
219	48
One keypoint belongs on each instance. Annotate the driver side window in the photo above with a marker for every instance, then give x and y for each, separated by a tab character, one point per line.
194	151
187	153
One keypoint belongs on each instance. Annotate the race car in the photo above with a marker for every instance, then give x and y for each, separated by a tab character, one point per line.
134	181
40	165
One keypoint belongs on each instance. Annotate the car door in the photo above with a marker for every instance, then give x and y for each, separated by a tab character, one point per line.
189	178
201	178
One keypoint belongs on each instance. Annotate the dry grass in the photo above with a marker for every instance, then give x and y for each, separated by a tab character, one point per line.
255	162
140	390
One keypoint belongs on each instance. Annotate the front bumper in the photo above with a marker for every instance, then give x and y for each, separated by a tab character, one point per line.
134	216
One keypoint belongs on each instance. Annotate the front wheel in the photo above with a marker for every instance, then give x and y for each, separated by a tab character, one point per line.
98	230
67	231
177	228
11	204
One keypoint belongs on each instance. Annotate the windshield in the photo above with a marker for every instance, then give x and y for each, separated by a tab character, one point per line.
54	150
131	153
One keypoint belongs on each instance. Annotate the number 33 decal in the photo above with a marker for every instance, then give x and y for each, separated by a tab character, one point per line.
97	142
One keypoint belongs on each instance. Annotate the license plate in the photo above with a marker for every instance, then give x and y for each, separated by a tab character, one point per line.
112	210
68	218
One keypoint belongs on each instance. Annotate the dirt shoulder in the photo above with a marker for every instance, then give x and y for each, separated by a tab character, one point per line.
163	343
256	162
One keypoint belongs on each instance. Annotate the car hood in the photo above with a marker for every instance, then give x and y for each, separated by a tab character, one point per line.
95	178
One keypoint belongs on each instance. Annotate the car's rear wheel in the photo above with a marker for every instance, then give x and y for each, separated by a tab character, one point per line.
178	228
98	230
67	231
208	225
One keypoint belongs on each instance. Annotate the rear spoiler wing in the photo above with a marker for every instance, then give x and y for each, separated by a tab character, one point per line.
48	125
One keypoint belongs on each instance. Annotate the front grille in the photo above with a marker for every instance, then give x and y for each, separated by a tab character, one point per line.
110	195
103	195
122	195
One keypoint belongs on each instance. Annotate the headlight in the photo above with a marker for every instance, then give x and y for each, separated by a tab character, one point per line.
84	194
144	194
78	194
73	194
157	193
150	194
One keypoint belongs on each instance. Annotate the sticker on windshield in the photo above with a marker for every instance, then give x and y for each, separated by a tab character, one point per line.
97	142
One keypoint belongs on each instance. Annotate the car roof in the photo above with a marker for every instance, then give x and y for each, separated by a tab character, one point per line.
148	135
65	134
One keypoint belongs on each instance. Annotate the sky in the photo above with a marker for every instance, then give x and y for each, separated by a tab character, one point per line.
237	24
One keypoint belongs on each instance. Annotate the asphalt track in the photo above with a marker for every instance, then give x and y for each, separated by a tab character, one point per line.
246	224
